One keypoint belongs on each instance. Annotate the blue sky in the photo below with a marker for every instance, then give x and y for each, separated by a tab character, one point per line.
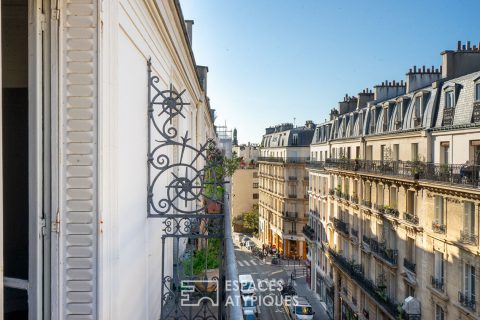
271	61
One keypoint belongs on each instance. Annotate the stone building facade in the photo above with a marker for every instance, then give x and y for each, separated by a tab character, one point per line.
394	197
283	187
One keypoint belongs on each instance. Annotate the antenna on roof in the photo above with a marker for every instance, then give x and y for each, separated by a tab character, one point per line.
294	121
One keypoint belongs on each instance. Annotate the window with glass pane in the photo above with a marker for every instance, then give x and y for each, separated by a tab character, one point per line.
418	105
380	195
439	266
477	91
414	147
393	197
438	218
469	281
469	217
439	313
449	99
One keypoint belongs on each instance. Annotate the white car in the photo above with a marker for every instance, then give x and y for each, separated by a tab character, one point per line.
247	286
299	308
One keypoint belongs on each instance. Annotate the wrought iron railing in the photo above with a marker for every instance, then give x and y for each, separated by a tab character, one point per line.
437	283
366	203
357	275
460	174
380	250
467	300
309	232
391	211
354	232
409	265
284	159
340	225
315	164
438	227
410	217
292	196
354	199
292	178
468	237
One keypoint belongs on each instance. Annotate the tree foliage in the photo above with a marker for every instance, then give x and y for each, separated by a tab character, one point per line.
250	219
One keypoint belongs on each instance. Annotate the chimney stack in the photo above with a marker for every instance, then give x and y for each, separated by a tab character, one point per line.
465	60
188	26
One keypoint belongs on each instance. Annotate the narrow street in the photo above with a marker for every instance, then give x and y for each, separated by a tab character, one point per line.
249	264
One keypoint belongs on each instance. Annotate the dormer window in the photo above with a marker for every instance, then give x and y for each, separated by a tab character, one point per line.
418	107
477	91
449	99
295	139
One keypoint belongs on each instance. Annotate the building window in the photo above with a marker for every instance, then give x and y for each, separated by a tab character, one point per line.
439	313
444	152
469	218
255	196
255	185
393	197
469	281
438	212
255	174
396	152
449	99
295	139
417	107
410	290
438	270
477	92
414	155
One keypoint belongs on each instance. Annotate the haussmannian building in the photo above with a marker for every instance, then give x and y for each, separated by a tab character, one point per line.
283	183
394	195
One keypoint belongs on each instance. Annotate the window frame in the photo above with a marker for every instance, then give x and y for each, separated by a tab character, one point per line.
477	91
449	97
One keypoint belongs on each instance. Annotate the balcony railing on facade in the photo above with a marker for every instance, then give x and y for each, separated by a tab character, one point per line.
315	164
436	283
438	227
409	265
410	217
467	300
308	232
355	271
354	232
291	216
458	174
284	159
381	251
468	237
340	226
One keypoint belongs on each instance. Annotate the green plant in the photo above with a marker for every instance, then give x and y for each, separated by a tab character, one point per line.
250	219
208	258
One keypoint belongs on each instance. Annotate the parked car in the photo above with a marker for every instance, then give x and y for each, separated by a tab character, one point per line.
249	304
244	240
247	286
298	308
249	315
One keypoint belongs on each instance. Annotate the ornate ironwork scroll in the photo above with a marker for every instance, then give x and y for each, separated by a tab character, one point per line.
183	182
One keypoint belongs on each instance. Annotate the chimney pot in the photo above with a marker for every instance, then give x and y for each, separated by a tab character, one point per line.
459	45
468	45
410	70
464	47
423	69
414	69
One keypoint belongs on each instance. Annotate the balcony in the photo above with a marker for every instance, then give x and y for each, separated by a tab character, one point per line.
331	192
378	207
292	196
448	114
354	199
391	211
308	232
354	232
315	165
438	228
284	160
468	237
437	284
456	174
410	217
467	300
409	265
356	274
291	216
380	250
340	226
366	203
292	178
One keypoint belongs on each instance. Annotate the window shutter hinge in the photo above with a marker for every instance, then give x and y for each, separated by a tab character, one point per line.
43	224
56	223
55	14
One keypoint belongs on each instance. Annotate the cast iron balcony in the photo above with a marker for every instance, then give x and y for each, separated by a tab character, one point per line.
315	165
378	207
461	174
468	237
340	226
354	199
356	273
331	192
292	178
438	228
391	211
308	232
467	300
354	232
380	250
437	284
292	216
292	196
410	217
366	203
409	265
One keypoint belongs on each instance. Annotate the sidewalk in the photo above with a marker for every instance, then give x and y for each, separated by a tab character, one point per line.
303	291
